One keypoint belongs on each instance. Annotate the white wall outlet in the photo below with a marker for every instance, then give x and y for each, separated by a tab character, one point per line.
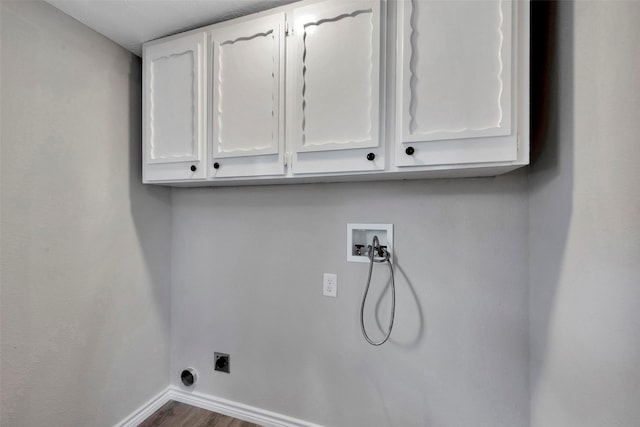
330	285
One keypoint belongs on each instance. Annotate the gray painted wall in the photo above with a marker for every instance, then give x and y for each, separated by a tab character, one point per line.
85	246
585	225
247	268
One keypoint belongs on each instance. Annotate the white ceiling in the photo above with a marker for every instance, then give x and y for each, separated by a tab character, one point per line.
133	22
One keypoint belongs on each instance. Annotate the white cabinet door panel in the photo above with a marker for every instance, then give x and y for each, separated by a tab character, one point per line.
174	102
247	128
455	82
334	85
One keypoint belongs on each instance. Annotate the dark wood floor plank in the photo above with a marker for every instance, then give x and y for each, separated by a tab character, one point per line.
176	414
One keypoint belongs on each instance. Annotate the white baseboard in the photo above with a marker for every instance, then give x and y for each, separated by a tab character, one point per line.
215	404
235	409
145	411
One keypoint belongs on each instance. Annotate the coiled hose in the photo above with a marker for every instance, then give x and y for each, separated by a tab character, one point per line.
375	247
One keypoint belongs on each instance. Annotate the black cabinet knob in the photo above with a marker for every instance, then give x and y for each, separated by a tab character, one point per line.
216	165
193	168
409	151
371	156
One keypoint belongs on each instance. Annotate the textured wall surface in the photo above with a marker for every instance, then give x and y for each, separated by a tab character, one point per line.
85	246
247	268
585	224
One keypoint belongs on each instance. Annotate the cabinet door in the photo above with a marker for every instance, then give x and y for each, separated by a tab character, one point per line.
174	104
334	83
247	120
454	82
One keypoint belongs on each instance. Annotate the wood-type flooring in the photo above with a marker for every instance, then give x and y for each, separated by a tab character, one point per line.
176	414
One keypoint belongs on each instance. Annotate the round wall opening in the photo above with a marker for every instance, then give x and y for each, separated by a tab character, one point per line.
189	377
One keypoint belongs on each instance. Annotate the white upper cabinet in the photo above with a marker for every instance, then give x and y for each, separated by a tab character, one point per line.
174	110
334	87
455	88
336	90
246	128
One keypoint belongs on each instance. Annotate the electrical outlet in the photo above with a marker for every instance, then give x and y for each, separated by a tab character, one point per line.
221	362
330	285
